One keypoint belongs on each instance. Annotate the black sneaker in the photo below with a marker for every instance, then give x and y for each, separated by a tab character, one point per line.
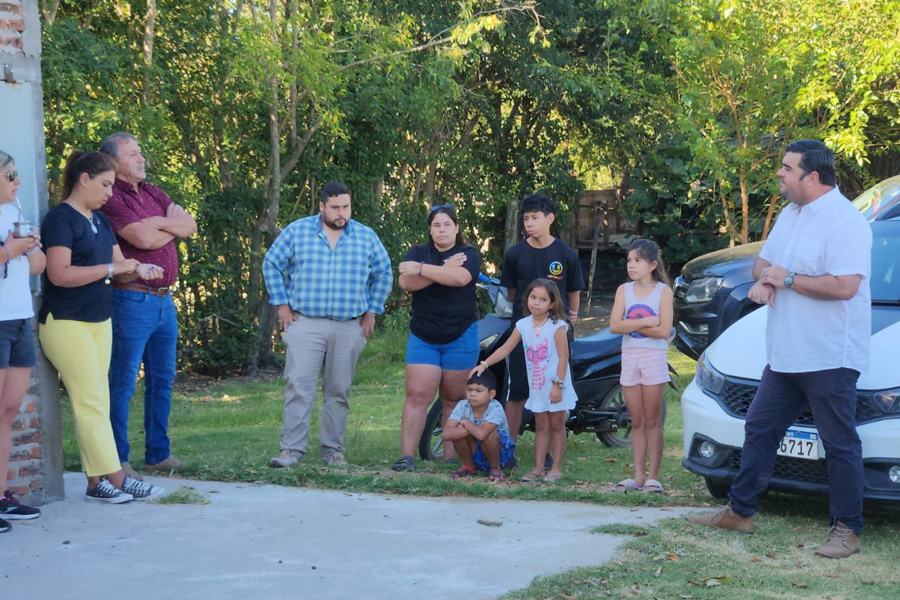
140	490
12	509
548	461
107	492
5	526
406	463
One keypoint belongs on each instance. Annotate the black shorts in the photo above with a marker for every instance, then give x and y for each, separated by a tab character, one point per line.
17	344
518	371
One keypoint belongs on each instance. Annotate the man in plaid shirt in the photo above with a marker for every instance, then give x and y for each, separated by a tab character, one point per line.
329	276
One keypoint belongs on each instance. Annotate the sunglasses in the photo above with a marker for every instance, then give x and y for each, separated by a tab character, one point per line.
434	208
12	175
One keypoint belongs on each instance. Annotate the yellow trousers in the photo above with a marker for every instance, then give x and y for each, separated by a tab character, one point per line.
80	351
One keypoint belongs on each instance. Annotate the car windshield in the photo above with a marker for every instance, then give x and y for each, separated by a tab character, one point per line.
877	199
885	283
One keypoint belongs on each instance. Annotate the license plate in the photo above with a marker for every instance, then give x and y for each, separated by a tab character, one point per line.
800	444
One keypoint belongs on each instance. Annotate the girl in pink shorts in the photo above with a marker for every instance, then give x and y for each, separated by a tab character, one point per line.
642	313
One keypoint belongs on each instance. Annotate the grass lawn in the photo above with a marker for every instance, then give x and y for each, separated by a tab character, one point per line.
227	431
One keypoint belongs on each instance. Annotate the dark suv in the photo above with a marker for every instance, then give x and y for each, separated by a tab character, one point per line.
711	292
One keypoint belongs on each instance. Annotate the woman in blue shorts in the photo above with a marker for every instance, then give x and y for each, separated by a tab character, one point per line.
443	338
20	257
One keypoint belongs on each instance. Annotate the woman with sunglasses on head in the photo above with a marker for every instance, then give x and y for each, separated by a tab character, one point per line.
75	327
443	339
20	257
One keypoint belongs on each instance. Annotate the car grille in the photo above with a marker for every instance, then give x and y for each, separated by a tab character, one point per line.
736	397
794	469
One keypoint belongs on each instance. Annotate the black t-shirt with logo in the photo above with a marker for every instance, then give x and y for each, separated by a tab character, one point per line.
91	303
442	313
557	262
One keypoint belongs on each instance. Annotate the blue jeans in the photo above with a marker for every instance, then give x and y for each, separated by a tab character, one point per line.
779	401
145	329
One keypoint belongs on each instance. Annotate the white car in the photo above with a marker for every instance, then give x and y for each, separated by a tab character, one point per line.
728	373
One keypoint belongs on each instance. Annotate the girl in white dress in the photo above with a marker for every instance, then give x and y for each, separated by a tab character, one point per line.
543	332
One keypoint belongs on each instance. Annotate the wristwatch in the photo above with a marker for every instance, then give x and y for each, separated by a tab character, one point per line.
558	382
789	280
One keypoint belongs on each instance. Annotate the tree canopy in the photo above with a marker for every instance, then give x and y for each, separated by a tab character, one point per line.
245	108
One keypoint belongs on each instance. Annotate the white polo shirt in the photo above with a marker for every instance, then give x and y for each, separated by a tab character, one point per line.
828	236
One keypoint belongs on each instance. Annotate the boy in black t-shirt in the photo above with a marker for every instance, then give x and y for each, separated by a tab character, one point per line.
540	255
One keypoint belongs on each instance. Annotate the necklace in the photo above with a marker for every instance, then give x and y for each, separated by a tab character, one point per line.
90	219
537	328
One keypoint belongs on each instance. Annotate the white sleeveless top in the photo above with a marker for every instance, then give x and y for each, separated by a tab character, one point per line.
15	291
638	308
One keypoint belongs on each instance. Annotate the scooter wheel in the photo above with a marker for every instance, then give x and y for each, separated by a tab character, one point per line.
618	436
431	444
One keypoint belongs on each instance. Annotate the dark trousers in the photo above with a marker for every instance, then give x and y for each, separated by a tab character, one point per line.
779	401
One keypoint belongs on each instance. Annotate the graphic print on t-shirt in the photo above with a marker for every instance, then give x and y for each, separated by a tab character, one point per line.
537	356
556	270
639	311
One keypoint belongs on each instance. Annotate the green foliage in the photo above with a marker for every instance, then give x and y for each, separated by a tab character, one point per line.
245	113
213	297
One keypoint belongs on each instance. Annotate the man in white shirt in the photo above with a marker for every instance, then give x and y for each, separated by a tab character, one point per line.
813	272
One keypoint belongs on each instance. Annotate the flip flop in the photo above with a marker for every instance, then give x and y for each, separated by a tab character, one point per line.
628	484
551	477
532	476
497	475
462	472
653	486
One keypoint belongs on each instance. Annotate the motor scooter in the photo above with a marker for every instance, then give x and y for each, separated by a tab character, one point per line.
596	362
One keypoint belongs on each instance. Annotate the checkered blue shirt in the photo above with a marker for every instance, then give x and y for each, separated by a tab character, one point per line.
302	270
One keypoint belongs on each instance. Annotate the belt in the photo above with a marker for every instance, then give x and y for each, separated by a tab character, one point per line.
134	287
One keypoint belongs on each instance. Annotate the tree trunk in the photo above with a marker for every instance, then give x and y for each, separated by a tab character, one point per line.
745	207
49	12
265	227
511	229
770	212
149	28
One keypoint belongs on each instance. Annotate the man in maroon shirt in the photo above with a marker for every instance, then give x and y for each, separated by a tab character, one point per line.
145	325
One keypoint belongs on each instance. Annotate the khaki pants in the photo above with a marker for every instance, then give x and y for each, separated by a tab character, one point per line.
311	345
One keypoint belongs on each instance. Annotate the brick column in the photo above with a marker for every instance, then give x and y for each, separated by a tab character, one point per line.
35	468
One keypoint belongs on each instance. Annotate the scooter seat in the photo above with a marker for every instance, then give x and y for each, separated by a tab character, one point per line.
599	344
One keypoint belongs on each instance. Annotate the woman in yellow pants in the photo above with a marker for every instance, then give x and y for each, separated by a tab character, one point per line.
75	328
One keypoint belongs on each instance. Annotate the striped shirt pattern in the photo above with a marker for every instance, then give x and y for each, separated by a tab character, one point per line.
302	270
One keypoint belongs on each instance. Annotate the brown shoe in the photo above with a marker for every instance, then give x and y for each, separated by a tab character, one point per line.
724	519
841	542
169	464
126	467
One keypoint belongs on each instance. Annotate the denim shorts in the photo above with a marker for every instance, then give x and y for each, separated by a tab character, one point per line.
459	355
507	452
17	344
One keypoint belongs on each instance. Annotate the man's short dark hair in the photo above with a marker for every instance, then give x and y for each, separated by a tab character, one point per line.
486	379
538	203
815	156
332	189
110	146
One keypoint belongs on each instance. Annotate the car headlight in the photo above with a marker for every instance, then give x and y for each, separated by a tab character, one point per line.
708	378
702	289
888	400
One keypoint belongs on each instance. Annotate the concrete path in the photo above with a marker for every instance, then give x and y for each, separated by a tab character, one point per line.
267	542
